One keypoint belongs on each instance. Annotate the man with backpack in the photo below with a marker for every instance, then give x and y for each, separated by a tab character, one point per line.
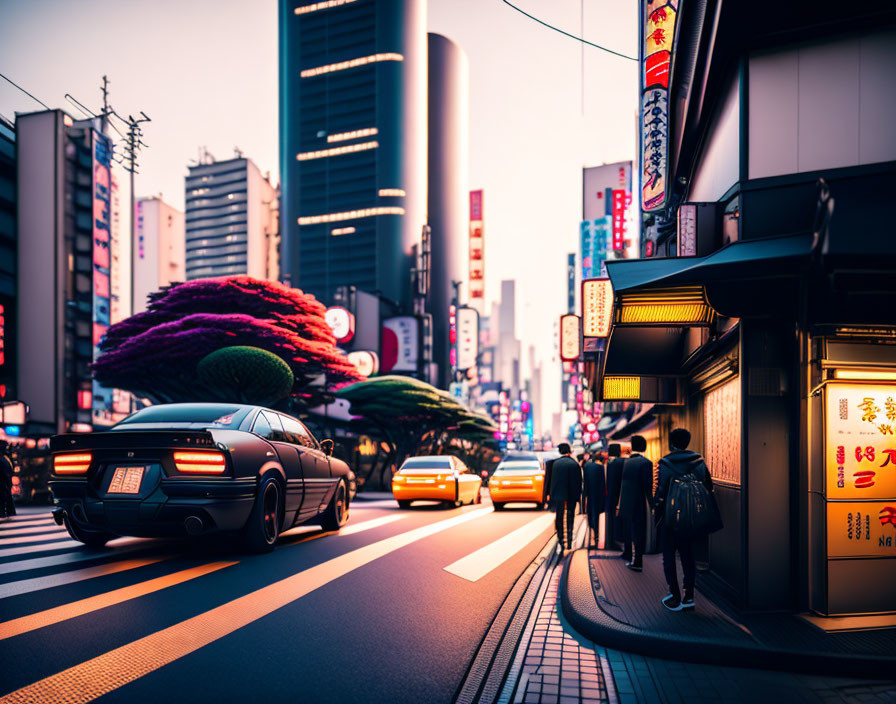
685	510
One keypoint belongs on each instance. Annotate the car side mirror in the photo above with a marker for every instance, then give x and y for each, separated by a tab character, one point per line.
327	447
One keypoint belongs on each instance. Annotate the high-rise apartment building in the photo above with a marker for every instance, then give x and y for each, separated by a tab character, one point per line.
353	143
159	250
64	225
7	259
232	223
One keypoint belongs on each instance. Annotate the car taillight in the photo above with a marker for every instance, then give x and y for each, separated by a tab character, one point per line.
72	463
199	462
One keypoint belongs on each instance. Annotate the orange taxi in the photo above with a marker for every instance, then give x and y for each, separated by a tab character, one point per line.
436	478
517	480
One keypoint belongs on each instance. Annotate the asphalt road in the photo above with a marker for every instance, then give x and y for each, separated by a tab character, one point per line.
366	615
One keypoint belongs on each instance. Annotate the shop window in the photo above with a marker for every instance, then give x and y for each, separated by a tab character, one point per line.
721	423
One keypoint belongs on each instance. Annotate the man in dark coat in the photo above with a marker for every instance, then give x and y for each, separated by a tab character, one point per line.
595	495
635	495
678	463
614	484
565	493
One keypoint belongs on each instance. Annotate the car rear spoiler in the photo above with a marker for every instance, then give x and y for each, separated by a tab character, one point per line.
131	439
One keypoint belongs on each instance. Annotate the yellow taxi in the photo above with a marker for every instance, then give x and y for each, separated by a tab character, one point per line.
436	478
517	480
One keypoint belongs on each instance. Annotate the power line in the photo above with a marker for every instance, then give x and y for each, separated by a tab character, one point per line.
571	36
24	91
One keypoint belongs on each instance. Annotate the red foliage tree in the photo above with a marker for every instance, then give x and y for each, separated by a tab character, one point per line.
156	353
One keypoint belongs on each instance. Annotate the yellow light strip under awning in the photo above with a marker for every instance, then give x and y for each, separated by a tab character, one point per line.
678	306
622	388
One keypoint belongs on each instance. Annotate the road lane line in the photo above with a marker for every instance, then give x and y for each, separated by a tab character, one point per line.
26	586
477	564
109	671
372	523
43	515
65	612
34	530
67	544
35	563
46	538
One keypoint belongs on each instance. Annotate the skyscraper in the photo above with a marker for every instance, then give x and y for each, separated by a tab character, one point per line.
7	258
448	192
352	143
63	173
159	250
231	221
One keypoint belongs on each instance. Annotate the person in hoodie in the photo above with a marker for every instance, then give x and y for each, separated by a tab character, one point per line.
679	462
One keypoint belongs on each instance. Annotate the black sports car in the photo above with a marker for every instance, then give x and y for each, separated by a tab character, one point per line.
197	468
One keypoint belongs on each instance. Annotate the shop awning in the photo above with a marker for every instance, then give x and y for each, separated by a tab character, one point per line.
722	275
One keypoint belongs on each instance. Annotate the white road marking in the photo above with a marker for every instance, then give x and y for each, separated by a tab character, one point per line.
109	671
42	515
124	545
33	530
372	523
13	523
26	586
46	538
66	544
477	564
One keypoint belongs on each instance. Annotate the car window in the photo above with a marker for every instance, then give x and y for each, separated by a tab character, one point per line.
427	463
262	427
297	434
276	426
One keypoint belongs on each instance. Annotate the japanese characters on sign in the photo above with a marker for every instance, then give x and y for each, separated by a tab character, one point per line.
860	441
658	24
861	528
467	338
597	307
101	397
570	337
477	251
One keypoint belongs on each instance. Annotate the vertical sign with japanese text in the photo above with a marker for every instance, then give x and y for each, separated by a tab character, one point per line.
597	307
477	252
102	402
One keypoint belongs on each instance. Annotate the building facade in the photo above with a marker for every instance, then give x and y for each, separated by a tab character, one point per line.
353	144
232	221
8	248
63	192
447	199
767	326
159	252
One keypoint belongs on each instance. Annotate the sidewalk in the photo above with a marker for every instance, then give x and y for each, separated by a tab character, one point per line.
621	609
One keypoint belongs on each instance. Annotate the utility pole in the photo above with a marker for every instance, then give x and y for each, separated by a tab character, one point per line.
133	143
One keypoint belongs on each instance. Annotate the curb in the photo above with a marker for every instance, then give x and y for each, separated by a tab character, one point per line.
581	609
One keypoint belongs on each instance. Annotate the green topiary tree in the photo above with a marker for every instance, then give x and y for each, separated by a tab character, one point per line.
246	375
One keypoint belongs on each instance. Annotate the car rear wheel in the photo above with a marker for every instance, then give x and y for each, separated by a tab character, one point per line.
91	538
499	506
404	503
263	528
336	514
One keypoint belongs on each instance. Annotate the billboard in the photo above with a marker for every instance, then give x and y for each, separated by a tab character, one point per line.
467	338
597	307
401	344
570	337
658	25
103	400
477	251
607	223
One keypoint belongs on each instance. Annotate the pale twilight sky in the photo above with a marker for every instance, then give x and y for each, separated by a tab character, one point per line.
205	71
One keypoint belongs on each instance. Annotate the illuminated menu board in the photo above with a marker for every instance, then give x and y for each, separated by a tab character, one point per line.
597	307
570	338
860	469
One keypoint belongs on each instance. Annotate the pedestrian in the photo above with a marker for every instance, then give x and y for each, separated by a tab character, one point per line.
595	495
679	463
7	506
564	493
636	494
614	483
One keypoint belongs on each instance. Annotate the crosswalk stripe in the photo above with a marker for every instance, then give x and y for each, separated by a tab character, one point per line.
42	516
111	670
372	523
13	524
46	538
477	564
125	545
65	612
34	530
35	584
67	544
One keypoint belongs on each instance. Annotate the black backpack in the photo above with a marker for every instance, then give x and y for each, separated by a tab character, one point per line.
691	509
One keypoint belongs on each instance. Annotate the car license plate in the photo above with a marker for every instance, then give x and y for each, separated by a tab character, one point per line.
126	480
